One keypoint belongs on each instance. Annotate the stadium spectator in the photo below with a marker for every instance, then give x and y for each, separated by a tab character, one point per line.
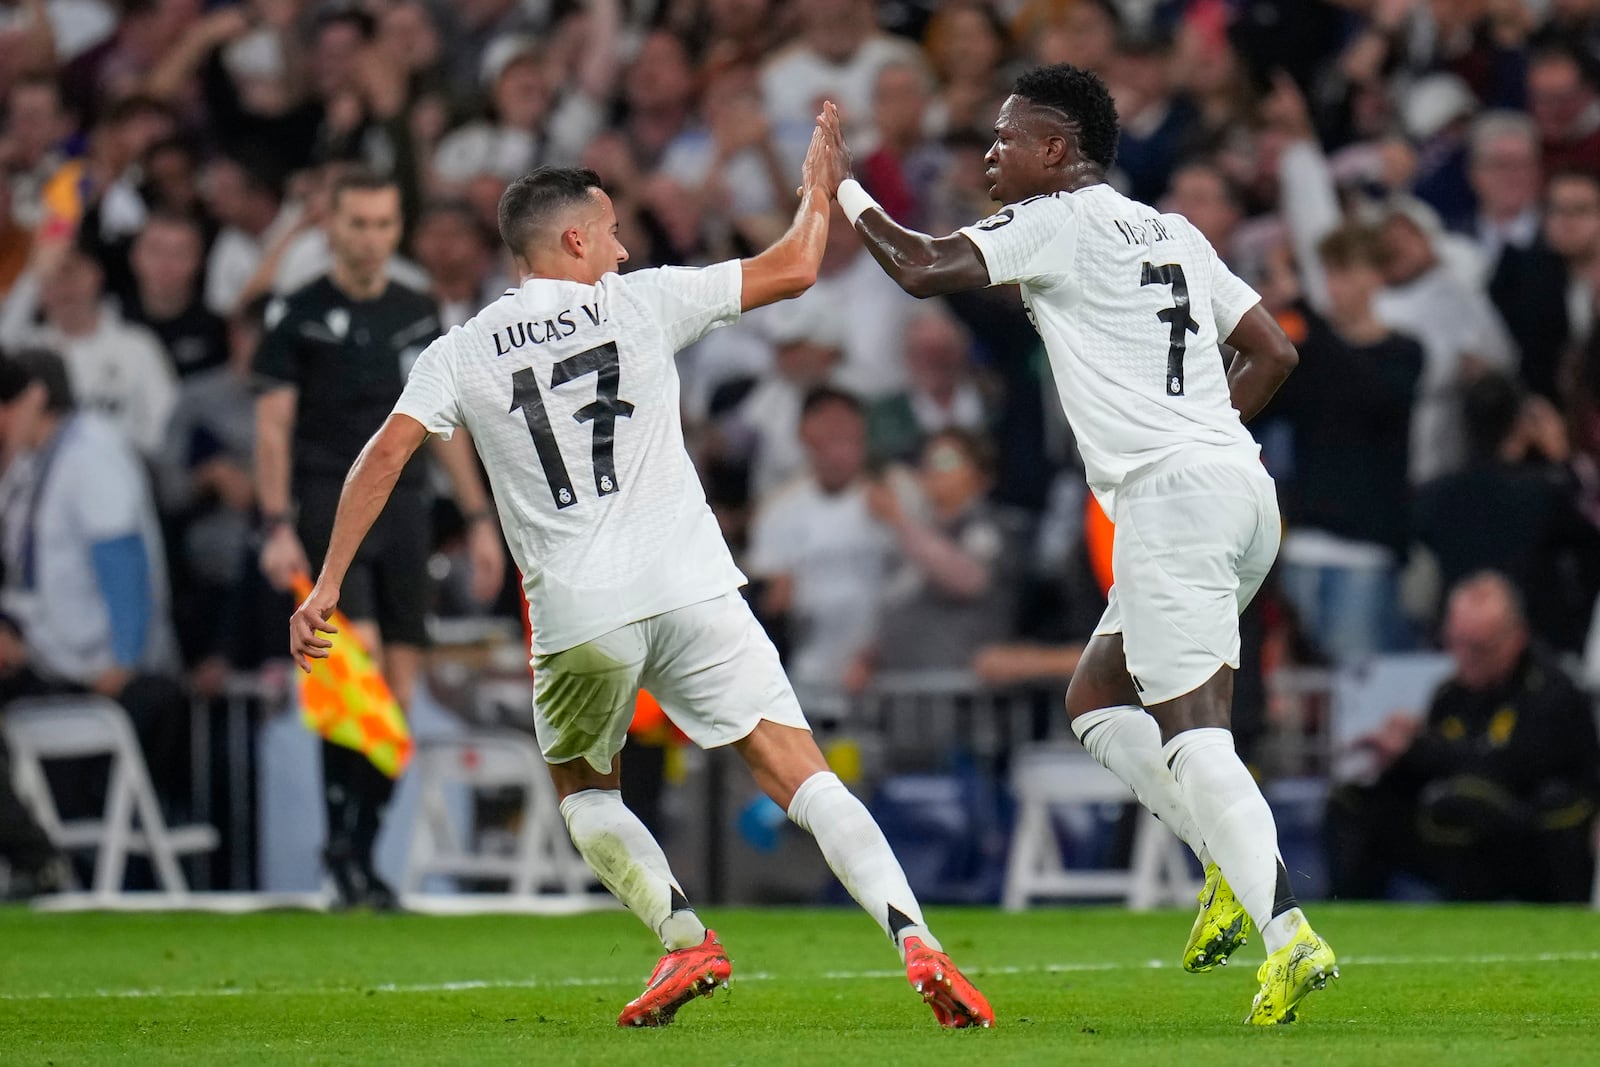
951	584
207	494
942	391
1564	100
162	293
1491	795
838	54
115	367
451	245
1525	277
818	549
966	43
531	119
37	127
1512	510
805	357
1349	408
897	166
1202	193
1156	120
246	201
85	571
1572	232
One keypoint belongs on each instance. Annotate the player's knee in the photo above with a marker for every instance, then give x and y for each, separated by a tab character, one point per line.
781	758
577	775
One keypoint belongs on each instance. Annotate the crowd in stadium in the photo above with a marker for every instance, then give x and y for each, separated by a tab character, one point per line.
1413	187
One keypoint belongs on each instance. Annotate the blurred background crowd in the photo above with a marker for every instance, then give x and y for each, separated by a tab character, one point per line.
1413	186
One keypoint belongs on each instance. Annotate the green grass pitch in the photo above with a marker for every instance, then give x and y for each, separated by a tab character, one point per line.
1080	985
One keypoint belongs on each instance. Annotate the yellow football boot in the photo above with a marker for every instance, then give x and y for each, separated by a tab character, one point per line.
1219	929
1303	965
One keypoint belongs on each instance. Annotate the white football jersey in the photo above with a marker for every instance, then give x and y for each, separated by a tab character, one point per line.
1132	305
570	392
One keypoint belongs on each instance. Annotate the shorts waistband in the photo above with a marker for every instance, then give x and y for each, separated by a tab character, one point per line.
1200	456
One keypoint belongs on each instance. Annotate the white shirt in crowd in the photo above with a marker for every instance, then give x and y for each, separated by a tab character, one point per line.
95	490
1452	323
872	314
796	80
1132	305
837	556
236	255
570	392
120	369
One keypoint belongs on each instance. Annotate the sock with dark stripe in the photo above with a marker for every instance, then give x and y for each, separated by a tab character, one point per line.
629	862
1237	825
859	854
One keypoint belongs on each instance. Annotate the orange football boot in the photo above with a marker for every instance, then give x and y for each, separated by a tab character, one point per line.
679	978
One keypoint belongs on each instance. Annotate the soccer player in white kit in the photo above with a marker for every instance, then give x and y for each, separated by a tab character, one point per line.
1132	305
568	387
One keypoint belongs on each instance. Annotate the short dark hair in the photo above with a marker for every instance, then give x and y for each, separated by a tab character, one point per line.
529	201
21	369
823	395
1083	98
360	180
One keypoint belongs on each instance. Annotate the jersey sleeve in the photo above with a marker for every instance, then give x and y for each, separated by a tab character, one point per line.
275	362
430	395
690	302
1032	241
1231	296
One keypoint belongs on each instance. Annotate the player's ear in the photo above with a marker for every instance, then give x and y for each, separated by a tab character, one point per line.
1055	150
572	242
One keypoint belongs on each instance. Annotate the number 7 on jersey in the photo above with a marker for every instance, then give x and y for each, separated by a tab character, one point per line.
1177	317
603	412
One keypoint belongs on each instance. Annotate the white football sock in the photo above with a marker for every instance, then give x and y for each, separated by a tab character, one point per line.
859	854
1238	827
1127	742
630	863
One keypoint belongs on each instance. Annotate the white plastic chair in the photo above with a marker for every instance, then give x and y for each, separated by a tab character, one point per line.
77	727
492	759
1050	775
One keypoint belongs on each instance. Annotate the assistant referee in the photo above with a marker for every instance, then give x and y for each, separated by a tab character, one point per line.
330	368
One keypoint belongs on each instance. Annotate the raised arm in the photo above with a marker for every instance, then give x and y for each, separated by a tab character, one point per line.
789	267
366	491
1263	362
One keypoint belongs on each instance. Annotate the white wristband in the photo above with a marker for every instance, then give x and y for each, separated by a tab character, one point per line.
854	199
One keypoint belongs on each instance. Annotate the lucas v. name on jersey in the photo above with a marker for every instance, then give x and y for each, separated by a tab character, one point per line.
514	335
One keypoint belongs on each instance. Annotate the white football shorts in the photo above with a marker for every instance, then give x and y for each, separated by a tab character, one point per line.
710	666
1194	541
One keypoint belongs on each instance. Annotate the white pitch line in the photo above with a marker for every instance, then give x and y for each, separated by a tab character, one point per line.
474	985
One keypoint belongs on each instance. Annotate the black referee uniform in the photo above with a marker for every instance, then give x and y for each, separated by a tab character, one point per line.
349	359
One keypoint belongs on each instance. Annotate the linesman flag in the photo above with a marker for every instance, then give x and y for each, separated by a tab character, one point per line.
345	699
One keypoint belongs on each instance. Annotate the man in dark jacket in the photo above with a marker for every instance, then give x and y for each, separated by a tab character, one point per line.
1494	795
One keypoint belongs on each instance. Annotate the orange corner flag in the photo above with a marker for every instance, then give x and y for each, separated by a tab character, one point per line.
346	700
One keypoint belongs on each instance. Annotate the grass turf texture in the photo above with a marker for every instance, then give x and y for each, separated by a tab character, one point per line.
1481	985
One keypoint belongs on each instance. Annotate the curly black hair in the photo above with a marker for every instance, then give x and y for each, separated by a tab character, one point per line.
1083	98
